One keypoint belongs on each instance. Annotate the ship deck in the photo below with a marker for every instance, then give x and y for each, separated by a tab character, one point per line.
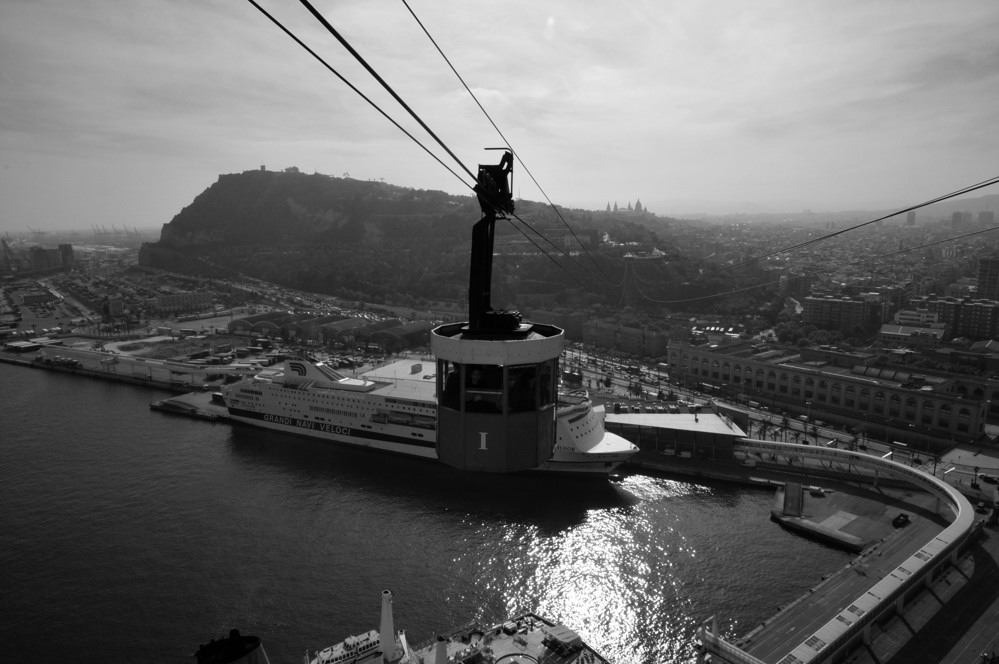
527	639
411	379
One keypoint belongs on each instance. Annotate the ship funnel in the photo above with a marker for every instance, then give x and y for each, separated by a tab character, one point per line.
387	629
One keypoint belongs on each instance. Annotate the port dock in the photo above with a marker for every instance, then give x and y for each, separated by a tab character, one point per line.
199	405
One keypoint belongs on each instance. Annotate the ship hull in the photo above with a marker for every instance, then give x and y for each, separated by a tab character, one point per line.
579	468
345	435
397	444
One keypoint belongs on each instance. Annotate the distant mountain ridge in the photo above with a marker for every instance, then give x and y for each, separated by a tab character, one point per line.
339	235
257	207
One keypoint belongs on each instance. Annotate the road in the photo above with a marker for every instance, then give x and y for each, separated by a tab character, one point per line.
958	467
791	627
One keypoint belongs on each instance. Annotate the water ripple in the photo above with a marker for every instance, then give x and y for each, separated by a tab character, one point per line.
118	520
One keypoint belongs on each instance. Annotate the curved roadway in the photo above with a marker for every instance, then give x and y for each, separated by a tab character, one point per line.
824	641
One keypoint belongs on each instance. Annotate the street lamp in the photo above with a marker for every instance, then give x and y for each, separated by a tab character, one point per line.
945	473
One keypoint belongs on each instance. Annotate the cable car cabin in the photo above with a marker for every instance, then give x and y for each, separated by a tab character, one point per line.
496	375
498	394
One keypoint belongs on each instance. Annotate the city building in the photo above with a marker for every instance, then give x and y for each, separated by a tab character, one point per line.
979	319
794	285
965	317
843	313
914	408
988	278
66	255
187	302
965	287
45	259
309	329
960	219
400	337
917	318
644	342
909	336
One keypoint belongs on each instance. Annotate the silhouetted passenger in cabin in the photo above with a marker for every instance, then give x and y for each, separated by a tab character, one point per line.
520	389
481	391
452	388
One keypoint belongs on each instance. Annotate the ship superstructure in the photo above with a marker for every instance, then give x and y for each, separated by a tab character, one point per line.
312	398
524	638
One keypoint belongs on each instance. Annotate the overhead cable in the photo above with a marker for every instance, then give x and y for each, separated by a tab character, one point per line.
505	141
965	190
357	56
850	264
359	93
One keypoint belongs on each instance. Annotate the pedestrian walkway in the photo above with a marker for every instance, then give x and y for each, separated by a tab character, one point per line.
963	467
985	457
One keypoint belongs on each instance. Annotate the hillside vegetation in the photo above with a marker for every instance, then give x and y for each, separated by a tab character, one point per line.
376	242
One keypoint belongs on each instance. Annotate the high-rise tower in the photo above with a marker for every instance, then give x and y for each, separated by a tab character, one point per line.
988	278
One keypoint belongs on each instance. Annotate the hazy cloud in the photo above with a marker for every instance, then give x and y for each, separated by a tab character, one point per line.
830	106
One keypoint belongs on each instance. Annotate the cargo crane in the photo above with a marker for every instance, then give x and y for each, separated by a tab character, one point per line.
8	257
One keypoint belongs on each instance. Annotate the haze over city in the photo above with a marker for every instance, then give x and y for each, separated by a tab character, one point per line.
119	113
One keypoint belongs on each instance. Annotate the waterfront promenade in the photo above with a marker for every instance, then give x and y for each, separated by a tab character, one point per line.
953	620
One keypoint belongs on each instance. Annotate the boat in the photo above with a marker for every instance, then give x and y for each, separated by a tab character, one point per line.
394	408
488	400
523	638
352	649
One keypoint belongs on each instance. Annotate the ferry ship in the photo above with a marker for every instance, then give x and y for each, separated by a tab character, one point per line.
394	408
489	401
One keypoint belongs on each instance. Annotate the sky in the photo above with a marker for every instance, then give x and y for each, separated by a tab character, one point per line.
120	112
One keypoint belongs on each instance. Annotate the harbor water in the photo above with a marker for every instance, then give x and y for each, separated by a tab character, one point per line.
134	535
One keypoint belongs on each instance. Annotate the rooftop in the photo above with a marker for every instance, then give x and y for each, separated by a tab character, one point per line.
706	422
